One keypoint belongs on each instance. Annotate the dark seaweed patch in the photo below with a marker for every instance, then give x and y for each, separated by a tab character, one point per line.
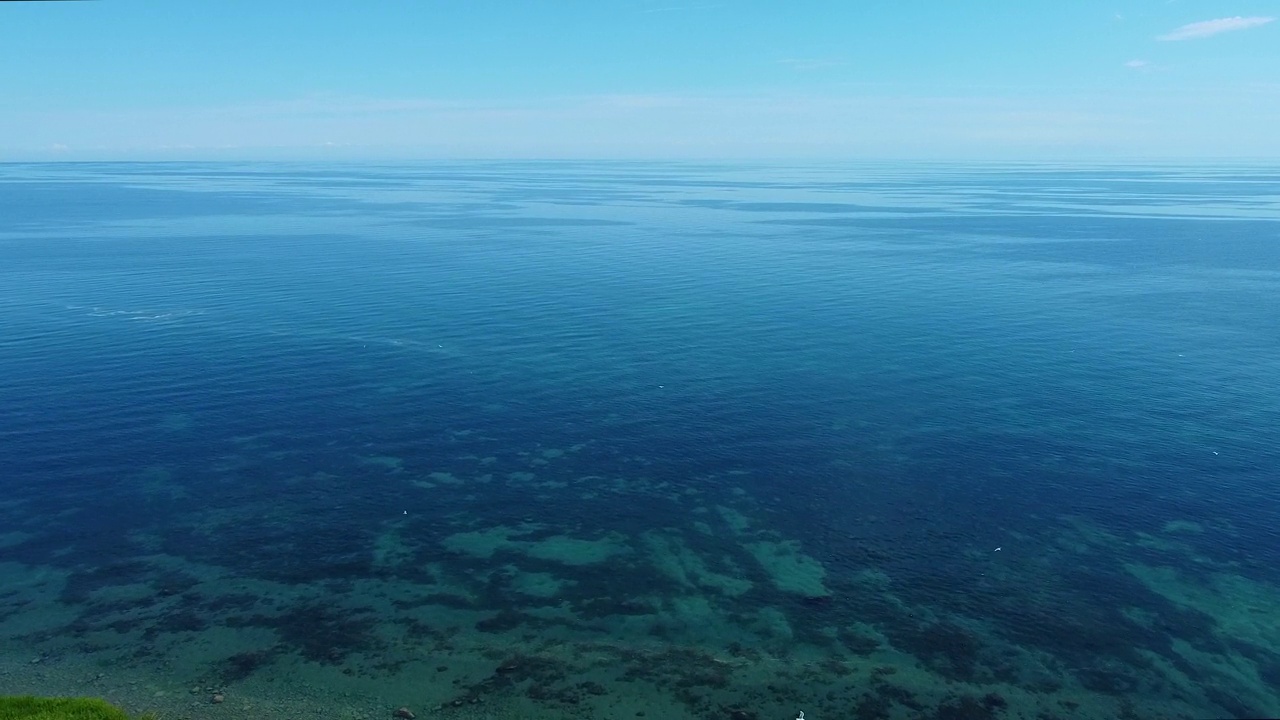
945	647
243	664
968	707
172	583
177	621
319	633
83	582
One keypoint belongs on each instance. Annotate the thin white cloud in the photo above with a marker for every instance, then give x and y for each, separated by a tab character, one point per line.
1137	64
1214	27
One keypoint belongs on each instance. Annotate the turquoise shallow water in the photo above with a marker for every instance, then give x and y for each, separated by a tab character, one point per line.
596	439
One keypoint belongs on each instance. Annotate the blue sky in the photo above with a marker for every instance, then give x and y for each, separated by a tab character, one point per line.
838	79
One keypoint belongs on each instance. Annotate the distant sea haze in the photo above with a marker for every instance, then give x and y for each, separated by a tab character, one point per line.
671	440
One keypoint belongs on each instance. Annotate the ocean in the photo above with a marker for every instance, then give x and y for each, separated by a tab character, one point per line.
717	441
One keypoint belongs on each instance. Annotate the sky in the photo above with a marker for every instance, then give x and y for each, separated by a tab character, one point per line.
1000	80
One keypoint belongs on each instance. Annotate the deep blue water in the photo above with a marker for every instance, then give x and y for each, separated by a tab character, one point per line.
917	439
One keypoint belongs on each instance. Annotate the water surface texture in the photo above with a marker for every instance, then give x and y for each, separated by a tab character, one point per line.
619	440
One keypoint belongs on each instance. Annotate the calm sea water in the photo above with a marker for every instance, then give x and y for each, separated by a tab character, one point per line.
609	440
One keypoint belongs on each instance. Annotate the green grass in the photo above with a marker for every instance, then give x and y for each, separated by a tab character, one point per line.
26	707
